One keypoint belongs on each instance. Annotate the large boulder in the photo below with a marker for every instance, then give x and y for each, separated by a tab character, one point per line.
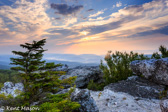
84	75
11	88
83	97
137	87
155	70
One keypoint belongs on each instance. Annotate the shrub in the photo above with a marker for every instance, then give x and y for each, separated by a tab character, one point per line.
95	86
117	65
59	103
164	53
117	68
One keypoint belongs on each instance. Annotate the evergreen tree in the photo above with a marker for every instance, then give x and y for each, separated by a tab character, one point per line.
38	78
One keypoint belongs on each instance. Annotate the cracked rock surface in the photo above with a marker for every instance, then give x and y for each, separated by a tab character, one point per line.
155	70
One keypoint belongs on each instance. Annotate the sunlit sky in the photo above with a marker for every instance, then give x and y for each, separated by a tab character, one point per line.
84	26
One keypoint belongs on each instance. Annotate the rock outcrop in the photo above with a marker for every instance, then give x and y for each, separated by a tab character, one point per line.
132	95
11	88
137	87
84	75
110	101
82	96
155	70
136	94
164	105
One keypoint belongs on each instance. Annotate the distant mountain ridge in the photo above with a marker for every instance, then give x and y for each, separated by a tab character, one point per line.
83	58
71	60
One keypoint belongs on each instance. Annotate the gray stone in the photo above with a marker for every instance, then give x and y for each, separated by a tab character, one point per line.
1	110
85	100
63	91
155	70
164	105
110	101
137	87
10	88
84	75
62	68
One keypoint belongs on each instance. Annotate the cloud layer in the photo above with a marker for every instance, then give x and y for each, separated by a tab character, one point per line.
24	20
64	9
76	27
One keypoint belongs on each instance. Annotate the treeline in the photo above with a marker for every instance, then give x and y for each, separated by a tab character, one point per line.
9	75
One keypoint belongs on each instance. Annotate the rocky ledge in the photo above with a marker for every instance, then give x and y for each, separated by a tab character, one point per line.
155	70
110	101
84	75
113	99
137	87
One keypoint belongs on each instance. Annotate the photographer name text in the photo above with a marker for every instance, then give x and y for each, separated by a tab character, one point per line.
9	108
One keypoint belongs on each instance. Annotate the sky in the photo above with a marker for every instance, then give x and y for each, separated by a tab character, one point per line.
85	26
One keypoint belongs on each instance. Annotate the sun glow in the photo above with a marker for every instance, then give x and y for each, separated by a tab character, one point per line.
84	32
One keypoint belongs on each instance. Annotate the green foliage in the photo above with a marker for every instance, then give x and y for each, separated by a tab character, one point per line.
164	93
117	67
9	100
9	75
59	103
1	85
17	92
155	55
2	96
95	86
164	53
39	80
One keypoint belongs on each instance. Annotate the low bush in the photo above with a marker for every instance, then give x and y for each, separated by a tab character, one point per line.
59	103
117	65
95	86
164	53
116	68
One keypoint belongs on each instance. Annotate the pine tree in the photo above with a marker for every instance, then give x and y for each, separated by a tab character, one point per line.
38	78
